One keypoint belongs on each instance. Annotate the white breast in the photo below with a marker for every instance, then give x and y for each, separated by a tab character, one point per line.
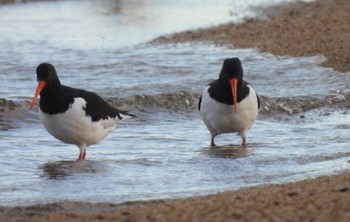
74	127
220	118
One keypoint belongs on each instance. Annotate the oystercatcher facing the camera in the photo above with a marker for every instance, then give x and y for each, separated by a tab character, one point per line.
229	104
74	116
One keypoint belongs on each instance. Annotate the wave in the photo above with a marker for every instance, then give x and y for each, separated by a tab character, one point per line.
186	101
11	111
177	101
300	104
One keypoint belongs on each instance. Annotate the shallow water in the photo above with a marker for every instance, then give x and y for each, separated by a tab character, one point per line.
301	132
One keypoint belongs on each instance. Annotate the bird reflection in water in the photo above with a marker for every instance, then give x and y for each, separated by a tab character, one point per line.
66	169
227	151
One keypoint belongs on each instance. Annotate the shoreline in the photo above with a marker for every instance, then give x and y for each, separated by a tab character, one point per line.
326	198
300	29
296	29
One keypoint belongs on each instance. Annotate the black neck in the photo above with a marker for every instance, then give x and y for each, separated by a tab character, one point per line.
220	90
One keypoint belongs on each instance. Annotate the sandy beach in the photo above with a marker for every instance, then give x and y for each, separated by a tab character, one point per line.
301	29
321	199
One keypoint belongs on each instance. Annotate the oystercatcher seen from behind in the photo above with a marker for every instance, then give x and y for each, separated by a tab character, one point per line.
229	104
74	116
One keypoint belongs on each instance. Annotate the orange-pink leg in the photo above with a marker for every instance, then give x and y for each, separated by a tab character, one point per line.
82	156
212	143
244	141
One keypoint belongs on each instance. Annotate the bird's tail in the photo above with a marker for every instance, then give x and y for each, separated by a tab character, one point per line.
126	115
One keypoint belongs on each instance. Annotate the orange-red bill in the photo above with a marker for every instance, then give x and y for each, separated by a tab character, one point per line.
41	85
233	83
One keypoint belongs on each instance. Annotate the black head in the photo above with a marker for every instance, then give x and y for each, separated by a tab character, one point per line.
47	73
47	78
232	68
231	75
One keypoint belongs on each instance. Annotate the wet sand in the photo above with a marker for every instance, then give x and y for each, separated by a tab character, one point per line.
321	199
303	29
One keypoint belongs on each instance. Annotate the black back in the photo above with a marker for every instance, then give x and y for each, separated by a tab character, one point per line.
56	98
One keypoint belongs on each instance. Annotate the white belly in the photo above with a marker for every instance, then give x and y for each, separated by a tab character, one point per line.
74	127
220	118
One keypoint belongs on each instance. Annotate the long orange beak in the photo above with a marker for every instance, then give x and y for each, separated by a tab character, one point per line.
233	83
40	87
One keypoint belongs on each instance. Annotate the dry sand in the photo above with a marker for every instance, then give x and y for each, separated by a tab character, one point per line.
303	29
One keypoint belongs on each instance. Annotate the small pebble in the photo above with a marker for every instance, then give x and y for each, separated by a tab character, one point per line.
345	189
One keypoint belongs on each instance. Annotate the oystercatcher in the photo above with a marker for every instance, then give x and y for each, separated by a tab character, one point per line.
229	104
74	116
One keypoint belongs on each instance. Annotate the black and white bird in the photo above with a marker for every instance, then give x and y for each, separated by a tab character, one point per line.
229	104
74	116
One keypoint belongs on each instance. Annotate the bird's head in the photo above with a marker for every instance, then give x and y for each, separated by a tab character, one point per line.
232	72
46	75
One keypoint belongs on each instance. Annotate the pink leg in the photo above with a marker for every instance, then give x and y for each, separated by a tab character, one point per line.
82	154
244	141
212	143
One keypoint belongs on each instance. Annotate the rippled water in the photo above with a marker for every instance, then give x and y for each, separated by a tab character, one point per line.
301	132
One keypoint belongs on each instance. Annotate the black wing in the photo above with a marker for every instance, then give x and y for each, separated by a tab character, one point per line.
200	98
199	103
96	107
